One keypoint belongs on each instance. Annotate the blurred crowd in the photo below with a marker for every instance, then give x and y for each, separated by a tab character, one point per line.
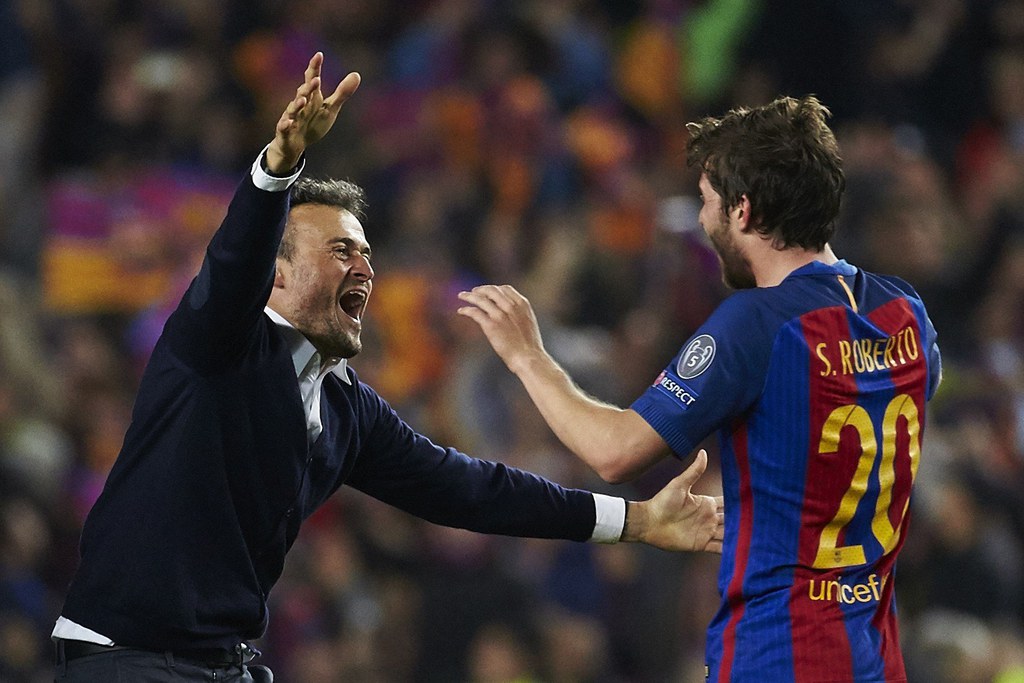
538	143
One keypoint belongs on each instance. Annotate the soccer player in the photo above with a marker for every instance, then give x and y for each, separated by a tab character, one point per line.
814	374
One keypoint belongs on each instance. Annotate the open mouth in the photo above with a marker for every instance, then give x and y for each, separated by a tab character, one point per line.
353	302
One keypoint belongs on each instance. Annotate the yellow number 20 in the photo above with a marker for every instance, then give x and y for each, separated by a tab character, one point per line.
830	555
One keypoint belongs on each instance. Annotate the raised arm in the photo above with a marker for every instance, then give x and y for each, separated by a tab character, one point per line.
226	300
616	443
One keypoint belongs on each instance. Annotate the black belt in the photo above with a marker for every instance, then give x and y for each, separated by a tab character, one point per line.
214	657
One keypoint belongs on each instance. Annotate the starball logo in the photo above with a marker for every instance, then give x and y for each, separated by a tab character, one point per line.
696	357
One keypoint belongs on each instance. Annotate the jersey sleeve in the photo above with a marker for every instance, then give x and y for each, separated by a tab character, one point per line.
934	360
928	333
718	372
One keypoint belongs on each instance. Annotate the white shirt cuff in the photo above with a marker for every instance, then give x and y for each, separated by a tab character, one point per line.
265	181
611	517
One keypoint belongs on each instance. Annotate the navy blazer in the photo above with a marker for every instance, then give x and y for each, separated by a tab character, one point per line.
215	475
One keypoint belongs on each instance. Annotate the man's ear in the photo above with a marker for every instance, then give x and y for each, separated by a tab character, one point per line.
741	213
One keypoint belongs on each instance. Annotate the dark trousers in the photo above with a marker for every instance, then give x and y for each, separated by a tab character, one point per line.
142	666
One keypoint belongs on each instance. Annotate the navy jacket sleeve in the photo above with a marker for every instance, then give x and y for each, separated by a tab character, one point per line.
442	485
226	299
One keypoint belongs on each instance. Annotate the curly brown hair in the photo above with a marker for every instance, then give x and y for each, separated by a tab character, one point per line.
784	158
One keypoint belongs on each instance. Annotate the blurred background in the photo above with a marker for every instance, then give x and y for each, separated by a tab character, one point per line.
538	143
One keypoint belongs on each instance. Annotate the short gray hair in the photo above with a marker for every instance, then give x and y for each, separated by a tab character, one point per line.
327	192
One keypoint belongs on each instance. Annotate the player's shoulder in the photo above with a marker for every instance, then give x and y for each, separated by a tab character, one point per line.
881	289
896	285
744	304
747	315
761	305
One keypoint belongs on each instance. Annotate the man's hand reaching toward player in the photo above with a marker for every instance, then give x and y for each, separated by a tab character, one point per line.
678	519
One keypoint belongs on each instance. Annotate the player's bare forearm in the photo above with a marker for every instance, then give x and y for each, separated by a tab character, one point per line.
678	519
617	444
307	118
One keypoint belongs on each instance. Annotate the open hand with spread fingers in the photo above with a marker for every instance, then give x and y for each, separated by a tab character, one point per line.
308	117
508	321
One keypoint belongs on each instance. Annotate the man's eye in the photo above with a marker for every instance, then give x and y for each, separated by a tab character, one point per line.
340	252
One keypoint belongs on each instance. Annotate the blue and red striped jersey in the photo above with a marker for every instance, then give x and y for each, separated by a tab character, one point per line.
817	390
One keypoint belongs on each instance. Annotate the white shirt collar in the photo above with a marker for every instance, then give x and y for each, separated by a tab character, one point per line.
301	348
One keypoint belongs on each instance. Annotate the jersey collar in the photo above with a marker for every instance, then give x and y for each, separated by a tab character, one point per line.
840	267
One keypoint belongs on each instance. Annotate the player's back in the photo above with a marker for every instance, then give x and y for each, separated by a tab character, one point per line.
817	472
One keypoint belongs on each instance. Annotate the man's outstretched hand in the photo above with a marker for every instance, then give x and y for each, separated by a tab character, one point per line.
676	519
307	118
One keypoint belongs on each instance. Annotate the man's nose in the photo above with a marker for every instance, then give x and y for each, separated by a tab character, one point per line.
361	267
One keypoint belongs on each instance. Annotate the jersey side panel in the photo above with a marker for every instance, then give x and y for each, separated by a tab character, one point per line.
733	602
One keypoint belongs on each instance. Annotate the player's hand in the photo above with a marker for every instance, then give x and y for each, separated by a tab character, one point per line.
677	519
507	319
307	118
